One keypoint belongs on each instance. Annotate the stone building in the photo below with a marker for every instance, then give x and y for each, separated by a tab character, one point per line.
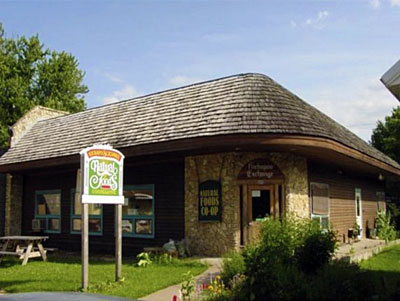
205	162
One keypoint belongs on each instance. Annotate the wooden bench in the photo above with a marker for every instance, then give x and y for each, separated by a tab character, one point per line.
37	249
159	251
23	246
10	253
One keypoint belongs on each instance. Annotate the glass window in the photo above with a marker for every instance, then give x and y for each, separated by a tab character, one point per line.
48	210
95	216
319	198
143	226
319	201
138	211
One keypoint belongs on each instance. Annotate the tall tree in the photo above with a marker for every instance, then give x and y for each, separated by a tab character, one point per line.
386	135
31	75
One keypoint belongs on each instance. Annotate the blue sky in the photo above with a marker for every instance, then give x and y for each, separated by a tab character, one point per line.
330	53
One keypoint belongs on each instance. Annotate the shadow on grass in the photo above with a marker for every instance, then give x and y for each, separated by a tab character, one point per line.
8	262
7	286
385	284
75	258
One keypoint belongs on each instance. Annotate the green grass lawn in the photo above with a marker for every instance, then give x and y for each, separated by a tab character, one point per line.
384	269
63	273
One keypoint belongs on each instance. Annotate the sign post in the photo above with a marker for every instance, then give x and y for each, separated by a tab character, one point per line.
85	245
102	183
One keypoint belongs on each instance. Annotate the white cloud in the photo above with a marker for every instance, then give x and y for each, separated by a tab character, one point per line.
395	3
182	80
375	3
322	15
115	78
318	22
127	92
357	108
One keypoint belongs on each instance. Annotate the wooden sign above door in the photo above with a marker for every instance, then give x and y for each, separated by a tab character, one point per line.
260	169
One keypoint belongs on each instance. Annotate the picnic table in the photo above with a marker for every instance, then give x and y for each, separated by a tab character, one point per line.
23	246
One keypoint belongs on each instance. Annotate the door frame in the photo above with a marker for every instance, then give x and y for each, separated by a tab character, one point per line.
246	197
359	218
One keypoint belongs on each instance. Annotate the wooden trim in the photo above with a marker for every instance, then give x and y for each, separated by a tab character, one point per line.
325	143
239	142
276	203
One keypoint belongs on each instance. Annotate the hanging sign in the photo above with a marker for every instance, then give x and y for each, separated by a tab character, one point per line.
102	173
260	169
210	201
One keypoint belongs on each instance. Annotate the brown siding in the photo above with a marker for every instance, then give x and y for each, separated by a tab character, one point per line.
168	180
2	202
342	187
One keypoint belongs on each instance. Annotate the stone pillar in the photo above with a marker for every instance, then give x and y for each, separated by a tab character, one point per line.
13	204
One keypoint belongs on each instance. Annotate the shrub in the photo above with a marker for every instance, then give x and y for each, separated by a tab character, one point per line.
394	210
385	228
143	259
233	264
316	252
274	267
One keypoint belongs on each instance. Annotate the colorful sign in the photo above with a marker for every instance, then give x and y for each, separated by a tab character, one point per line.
210	207
102	176
260	169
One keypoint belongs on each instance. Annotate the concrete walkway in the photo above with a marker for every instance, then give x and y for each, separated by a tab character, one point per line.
362	249
168	293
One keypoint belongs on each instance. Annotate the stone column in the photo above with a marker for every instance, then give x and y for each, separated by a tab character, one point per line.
13	204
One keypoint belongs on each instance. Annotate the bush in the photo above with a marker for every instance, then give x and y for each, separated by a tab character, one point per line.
274	267
385	227
233	265
292	261
316	252
394	210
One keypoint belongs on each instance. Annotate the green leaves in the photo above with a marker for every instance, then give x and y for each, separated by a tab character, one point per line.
31	75
386	135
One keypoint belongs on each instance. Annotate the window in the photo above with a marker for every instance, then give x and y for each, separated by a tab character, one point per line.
138	211
319	199
48	210
95	216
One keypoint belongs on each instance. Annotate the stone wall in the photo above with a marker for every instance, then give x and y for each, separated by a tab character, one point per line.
30	118
216	238
13	205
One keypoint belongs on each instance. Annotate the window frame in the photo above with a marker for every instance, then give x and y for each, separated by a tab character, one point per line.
320	216
133	218
90	216
46	217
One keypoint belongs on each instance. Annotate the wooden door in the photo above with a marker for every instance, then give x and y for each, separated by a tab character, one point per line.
261	202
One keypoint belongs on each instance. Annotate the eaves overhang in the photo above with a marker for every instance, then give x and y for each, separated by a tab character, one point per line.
391	79
323	149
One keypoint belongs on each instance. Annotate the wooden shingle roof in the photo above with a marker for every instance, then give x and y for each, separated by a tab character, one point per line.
240	104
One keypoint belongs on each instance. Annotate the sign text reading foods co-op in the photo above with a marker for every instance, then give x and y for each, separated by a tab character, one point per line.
102	168
210	201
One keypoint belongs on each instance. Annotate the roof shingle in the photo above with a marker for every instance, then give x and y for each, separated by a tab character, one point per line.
240	104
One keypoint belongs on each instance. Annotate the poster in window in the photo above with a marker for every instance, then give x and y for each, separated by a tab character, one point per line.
210	207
